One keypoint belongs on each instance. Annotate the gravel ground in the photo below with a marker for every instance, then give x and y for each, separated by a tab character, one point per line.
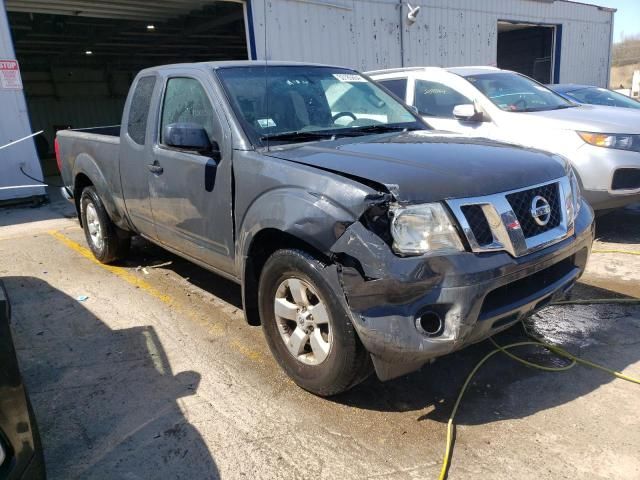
156	374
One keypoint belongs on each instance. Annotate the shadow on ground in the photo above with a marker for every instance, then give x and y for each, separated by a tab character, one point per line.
620	226
105	400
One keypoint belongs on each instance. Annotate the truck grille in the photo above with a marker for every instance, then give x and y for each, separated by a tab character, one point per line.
510	221
478	223
521	204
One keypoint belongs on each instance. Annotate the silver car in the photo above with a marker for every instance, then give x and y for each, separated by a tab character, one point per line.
602	143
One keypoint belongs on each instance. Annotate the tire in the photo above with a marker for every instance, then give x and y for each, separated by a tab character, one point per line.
311	336
107	242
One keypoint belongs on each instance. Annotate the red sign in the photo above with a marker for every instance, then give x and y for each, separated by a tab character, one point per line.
10	75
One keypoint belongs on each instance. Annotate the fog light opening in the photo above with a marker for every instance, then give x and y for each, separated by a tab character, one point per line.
430	324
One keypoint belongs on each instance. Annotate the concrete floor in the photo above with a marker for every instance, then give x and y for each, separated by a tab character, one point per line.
156	374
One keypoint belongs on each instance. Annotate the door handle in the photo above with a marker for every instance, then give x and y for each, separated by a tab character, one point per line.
155	168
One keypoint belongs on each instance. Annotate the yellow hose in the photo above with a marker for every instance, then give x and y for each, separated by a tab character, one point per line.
504	349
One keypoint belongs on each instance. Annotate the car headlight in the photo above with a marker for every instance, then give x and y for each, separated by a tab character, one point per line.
576	197
419	229
612	140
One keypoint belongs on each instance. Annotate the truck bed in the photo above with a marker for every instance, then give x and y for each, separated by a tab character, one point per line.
99	146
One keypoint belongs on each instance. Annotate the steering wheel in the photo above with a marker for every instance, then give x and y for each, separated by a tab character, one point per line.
520	101
343	114
364	122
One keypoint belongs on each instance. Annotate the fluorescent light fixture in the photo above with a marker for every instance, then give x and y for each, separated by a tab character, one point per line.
88	52
151	27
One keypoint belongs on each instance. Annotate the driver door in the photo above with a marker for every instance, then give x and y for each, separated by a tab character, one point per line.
191	197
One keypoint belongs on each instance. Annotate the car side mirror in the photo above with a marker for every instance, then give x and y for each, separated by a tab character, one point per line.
467	112
188	136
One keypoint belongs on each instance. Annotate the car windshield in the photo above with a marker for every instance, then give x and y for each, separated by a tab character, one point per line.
303	103
602	96
516	93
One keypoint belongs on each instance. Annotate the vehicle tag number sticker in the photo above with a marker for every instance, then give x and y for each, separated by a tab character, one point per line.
348	77
266	122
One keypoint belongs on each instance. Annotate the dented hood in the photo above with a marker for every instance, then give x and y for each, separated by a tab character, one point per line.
427	166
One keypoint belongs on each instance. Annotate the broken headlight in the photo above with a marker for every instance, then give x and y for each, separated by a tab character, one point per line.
419	229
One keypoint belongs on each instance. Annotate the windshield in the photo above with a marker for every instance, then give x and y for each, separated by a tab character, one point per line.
516	93
602	96
300	103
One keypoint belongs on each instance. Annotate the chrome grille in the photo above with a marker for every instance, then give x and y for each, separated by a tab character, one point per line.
521	204
478	223
505	221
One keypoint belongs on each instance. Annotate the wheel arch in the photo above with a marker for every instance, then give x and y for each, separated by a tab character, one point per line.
266	242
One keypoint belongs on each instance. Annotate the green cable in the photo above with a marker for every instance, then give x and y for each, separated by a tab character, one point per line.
504	349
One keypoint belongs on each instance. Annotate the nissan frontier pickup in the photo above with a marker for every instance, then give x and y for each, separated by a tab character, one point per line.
361	239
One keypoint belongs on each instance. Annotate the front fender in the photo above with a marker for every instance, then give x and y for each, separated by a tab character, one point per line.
309	216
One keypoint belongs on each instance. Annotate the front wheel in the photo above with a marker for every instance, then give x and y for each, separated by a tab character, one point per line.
308	330
106	241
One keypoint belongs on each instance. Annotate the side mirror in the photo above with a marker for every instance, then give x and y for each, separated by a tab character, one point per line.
467	112
188	136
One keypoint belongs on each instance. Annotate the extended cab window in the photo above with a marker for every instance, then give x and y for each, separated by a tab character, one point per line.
435	99
139	109
397	86
185	101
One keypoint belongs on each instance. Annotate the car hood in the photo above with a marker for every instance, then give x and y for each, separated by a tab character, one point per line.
428	166
590	118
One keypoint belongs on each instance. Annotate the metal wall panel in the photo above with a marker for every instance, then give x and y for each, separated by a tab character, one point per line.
365	34
14	124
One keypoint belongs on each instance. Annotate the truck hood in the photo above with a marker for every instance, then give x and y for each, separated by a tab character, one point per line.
590	118
429	166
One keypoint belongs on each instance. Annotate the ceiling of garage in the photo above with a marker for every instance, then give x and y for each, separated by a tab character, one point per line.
126	9
215	31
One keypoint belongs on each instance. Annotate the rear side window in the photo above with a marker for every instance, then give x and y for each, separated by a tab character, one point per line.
139	110
397	86
436	99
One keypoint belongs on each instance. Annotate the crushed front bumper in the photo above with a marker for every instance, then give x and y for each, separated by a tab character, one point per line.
475	295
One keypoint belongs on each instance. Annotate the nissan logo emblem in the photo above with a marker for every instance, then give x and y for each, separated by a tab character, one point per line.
540	210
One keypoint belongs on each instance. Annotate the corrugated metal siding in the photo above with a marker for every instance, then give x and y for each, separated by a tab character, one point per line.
366	33
14	124
352	33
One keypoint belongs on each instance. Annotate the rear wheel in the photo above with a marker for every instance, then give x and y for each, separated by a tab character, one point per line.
308	330
106	241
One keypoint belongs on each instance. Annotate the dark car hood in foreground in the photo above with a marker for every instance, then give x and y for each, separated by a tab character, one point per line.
426	166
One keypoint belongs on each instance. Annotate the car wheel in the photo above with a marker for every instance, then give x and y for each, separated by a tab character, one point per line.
107	242
308	330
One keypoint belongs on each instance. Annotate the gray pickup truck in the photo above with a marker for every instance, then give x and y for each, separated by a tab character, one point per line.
361	238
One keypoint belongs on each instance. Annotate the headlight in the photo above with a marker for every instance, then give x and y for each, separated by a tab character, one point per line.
576	196
418	229
612	140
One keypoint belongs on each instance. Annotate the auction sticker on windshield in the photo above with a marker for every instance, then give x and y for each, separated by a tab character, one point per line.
348	77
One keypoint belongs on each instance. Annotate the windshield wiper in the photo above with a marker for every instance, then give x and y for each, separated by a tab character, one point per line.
300	136
381	129
545	109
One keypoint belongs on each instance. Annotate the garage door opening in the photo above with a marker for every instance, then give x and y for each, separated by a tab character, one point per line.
532	50
77	68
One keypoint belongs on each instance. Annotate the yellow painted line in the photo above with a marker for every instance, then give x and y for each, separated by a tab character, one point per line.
119	271
134	280
626	252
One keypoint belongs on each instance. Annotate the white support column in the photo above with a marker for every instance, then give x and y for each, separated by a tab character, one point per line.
14	124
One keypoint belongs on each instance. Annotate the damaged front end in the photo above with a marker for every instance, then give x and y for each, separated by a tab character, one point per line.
411	309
